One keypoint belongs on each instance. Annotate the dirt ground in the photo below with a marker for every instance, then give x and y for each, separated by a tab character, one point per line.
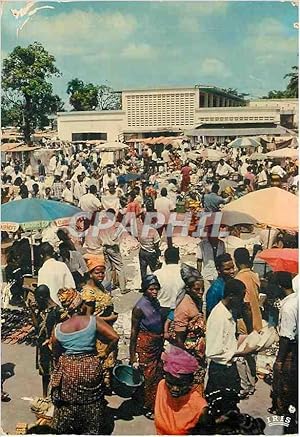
26	383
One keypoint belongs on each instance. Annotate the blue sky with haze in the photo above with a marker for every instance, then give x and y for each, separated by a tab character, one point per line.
237	44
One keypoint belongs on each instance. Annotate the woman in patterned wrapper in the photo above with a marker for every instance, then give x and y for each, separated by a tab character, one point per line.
146	340
188	328
100	303
77	386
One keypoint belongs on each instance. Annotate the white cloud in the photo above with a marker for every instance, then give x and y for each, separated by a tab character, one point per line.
269	40
193	14
139	51
214	67
80	32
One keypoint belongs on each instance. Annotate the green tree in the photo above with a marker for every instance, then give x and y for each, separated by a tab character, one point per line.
291	90
292	86
83	97
11	110
88	97
275	94
26	73
108	99
235	92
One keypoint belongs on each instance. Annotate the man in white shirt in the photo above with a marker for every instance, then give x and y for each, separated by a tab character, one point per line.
64	170
52	165
8	170
164	206
78	171
54	274
221	348
89	202
67	194
79	189
278	171
75	262
170	280
243	169
111	200
109	177
110	238
166	158
224	169
262	178
285	371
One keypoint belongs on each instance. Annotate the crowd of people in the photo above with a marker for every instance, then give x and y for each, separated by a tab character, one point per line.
189	323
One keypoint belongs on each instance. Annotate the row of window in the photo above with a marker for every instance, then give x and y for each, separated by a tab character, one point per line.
237	119
160	96
88	136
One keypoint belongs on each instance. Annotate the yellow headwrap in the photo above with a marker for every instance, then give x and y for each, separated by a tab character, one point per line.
93	261
69	298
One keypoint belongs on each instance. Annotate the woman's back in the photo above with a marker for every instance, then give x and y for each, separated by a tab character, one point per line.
77	335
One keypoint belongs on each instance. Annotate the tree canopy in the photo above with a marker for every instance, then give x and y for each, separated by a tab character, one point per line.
291	90
89	97
28	97
235	92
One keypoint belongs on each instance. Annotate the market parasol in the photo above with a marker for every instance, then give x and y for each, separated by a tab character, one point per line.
240	143
33	214
287	152
281	260
112	146
273	207
257	156
230	218
211	155
125	178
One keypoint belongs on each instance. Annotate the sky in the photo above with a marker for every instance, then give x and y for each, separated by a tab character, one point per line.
249	46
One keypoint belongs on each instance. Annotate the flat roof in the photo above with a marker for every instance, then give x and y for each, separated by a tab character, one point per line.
207	88
279	130
106	111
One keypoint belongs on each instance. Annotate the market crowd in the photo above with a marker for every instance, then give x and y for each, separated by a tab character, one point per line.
189	326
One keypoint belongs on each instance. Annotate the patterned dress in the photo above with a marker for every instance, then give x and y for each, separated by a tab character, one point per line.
189	319
47	320
103	308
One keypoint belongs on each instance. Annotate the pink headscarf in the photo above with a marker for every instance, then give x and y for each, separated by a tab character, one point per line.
179	362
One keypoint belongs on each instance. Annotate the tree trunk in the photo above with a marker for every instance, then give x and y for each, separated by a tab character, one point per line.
27	124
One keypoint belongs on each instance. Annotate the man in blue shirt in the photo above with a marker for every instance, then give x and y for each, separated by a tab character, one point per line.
212	201
215	293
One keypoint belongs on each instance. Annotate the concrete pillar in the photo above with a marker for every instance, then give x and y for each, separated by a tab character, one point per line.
206	100
211	100
223	102
217	101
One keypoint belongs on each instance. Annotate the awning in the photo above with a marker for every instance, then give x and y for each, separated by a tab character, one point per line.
279	130
7	147
24	149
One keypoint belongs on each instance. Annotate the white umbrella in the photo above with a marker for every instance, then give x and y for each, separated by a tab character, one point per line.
112	146
239	143
257	156
287	152
212	155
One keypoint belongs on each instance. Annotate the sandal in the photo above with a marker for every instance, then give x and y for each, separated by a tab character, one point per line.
5	397
149	415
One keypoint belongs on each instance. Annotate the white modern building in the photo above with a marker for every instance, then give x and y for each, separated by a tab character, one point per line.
199	111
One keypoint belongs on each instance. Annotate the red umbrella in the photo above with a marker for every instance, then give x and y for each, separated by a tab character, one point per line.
281	260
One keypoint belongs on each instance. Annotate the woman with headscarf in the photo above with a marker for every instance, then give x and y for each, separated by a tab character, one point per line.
100	303
77	381
146	340
179	407
189	321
